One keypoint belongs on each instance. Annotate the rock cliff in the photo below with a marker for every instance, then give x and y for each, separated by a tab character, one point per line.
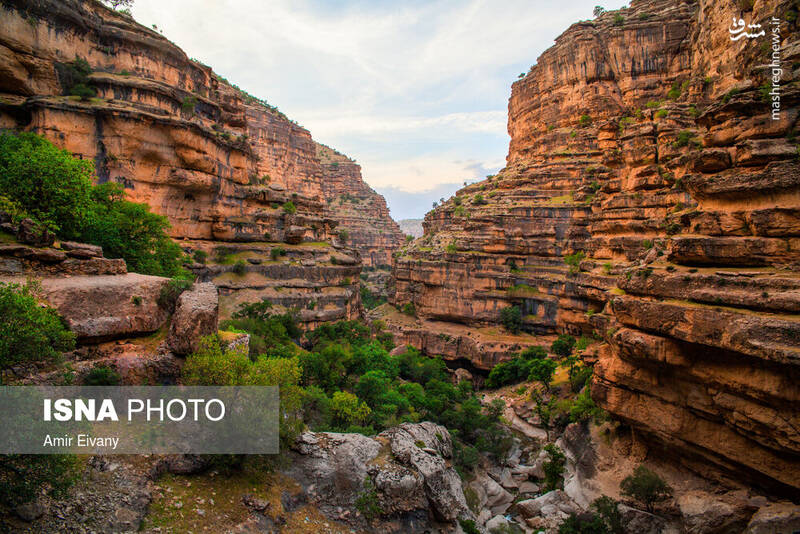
223	166
651	199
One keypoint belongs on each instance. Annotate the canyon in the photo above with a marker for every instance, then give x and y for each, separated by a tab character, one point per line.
649	204
238	181
649	200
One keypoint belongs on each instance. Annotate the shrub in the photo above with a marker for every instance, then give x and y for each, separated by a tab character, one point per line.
169	294
661	113
675	90
29	332
457	201
563	345
409	309
240	268
85	92
653	104
25	476
451	248
46	182
343	235
102	376
684	139
553	467
367	502
277	251
289	207
584	408
188	104
479	200
619	20
200	256
574	261
468	525
511	317
607	508
585	120
583	524
646	487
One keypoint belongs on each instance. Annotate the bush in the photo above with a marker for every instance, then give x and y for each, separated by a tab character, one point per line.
684	139
563	345
275	252
585	120
102	376
343	235
479	200
553	467
619	20
511	317
452	247
289	207
607	508
468	525
188	104
574	261
409	309
84	91
29	332
49	184
169	294
239	268
25	476
367	502
583	524
200	256
646	487
661	113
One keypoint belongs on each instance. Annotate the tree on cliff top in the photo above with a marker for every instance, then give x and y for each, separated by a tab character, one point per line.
118	3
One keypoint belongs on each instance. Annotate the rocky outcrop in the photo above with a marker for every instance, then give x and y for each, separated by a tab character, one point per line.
362	214
196	315
405	471
220	164
649	198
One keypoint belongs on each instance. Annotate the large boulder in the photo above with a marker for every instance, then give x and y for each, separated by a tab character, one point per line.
196	315
106	307
424	447
32	233
778	517
404	466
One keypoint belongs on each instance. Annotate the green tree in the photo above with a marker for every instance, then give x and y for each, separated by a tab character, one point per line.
542	370
348	410
553	467
646	487
608	509
563	345
53	187
511	317
29	332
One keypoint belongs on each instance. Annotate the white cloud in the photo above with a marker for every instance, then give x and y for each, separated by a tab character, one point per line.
404	87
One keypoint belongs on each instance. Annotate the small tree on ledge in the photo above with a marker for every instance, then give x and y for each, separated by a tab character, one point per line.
646	487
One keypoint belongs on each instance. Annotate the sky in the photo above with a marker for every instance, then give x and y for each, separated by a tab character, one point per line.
416	91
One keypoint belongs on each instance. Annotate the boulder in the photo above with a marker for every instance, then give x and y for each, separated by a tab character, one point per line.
553	504
294	234
81	250
32	233
491	494
496	523
31	511
196	315
778	517
108	306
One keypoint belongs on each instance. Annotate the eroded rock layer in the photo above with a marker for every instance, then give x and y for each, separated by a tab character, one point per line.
362	214
220	164
652	198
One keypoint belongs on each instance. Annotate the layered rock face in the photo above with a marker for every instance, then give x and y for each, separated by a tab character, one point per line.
360	211
221	165
651	198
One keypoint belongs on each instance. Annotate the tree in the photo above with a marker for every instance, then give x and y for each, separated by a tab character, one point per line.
646	487
563	345
598	10
29	332
607	508
511	317
348	410
553	467
49	184
542	370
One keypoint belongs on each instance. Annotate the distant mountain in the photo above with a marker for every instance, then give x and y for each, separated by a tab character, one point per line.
411	227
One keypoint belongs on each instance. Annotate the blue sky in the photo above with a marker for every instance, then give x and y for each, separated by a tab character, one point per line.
415	91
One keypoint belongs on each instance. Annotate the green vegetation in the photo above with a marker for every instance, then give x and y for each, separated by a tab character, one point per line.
343	235
530	364
188	104
25	476
289	207
563	345
653	104
102	376
685	138
675	90
55	190
585	120
478	200
29	332
511	317
730	94
200	256
74	78
451	247
371	300
276	252
367	502
553	467
574	261
646	487
409	309
240	267
619	20
661	113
